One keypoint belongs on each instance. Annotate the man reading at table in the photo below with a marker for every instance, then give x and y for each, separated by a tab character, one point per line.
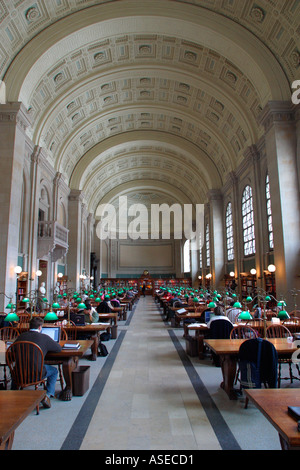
46	344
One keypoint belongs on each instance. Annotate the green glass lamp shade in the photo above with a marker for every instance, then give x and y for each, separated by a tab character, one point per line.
65	295
215	299
249	299
97	299
45	299
233	296
12	317
237	305
245	316
55	305
268	298
25	300
281	303
283	315
59	296
195	299
92	296
211	305
81	306
51	316
9	305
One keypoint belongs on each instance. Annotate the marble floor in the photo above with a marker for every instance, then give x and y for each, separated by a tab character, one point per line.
148	394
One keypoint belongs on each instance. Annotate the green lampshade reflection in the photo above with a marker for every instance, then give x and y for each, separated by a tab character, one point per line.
51	316
283	315
211	305
81	306
55	305
12	317
245	316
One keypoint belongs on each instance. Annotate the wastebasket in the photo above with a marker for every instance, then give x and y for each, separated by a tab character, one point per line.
191	346
80	380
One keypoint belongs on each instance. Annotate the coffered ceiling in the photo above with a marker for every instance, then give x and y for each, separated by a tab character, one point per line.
162	96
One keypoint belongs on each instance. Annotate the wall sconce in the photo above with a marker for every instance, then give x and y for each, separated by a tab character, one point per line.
60	275
208	276
38	273
253	271
231	274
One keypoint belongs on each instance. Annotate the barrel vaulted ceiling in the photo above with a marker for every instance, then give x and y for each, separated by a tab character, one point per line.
150	98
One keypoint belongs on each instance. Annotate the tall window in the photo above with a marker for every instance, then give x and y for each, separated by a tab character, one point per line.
229	233
200	252
207	248
248	222
269	214
186	257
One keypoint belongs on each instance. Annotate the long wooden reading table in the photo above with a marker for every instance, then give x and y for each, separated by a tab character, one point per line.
273	403
228	350
15	406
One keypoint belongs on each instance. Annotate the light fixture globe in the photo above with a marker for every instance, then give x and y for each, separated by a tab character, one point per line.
271	268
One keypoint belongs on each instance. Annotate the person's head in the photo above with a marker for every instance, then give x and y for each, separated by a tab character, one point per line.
218	311
88	306
36	323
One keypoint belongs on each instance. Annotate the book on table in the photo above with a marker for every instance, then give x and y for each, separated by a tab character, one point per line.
71	346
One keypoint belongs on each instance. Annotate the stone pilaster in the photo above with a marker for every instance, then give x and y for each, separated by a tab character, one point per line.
278	119
13	123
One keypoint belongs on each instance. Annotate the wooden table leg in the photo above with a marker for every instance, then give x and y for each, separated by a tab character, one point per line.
228	366
68	366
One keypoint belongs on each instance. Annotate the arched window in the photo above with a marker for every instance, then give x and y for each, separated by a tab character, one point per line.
248	222
269	214
207	247
229	233
186	257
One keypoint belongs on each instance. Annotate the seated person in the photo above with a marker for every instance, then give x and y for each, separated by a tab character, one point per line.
218	315
46	344
104	306
90	314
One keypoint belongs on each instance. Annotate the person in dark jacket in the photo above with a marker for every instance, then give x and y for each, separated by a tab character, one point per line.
46	344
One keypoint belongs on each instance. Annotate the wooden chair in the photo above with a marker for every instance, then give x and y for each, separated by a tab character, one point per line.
294	313
26	361
281	331
243	332
7	333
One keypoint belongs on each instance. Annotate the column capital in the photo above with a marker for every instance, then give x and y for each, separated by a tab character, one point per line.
252	154
277	112
76	195
15	113
215	195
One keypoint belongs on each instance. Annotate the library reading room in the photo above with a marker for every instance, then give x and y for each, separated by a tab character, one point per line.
150	227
